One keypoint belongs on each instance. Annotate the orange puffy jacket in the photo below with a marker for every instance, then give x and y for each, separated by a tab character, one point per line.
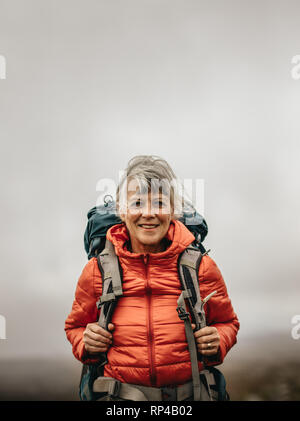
149	343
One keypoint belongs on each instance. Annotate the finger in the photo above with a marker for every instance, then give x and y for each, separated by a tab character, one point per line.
205	331
211	348
96	337
95	350
208	352
206	339
193	326
111	326
98	329
207	345
98	346
91	342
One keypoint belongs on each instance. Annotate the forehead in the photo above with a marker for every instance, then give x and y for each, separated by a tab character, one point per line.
144	194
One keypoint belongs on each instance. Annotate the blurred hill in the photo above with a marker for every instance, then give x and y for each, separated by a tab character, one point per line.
263	368
255	369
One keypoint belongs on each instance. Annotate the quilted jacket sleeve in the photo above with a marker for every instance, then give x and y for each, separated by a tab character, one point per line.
218	309
84	310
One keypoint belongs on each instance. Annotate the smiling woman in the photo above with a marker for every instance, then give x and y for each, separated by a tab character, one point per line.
148	343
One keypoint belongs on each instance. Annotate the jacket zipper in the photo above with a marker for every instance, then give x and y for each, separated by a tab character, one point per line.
150	324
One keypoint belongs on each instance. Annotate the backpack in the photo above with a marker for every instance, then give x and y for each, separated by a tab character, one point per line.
209	384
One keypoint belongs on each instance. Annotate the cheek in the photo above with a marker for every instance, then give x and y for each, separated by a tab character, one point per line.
165	225
131	221
166	221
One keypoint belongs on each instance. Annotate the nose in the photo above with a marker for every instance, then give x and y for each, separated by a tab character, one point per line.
147	211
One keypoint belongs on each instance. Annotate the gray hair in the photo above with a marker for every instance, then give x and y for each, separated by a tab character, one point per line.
150	172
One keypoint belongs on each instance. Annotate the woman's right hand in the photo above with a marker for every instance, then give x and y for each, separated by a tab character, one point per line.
96	339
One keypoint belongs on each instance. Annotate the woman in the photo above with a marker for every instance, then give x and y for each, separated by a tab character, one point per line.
146	342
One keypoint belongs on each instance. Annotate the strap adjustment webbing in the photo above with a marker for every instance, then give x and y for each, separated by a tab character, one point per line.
134	392
184	315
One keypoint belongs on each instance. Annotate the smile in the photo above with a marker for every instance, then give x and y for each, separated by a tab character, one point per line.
148	226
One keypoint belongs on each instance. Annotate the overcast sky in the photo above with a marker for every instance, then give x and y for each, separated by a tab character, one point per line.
207	85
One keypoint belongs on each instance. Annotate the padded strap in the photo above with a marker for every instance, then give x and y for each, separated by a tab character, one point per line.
111	282
110	266
188	267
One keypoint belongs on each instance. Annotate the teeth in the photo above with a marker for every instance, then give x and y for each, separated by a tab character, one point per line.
148	226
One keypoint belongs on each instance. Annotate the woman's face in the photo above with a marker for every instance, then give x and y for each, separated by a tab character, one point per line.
147	219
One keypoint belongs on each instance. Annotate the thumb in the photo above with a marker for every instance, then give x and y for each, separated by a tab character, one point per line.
193	326
111	326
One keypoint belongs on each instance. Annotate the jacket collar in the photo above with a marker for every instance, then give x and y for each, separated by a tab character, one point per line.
178	235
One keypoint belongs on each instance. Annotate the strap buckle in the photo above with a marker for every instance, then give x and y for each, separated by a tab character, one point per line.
114	388
182	314
168	394
100	302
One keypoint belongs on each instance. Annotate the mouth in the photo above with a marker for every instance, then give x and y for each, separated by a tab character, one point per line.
148	227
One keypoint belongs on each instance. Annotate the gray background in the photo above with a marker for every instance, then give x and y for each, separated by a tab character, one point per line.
207	85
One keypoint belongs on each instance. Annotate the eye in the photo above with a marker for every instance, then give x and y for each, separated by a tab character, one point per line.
135	203
159	204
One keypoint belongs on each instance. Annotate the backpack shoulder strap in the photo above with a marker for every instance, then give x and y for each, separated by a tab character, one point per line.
187	265
188	269
111	273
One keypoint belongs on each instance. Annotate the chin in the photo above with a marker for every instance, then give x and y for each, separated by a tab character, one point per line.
149	241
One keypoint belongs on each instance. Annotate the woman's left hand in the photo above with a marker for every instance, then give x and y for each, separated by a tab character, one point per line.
207	340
